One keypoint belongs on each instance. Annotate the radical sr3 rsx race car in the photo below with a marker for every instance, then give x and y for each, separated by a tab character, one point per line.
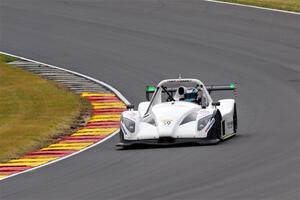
179	111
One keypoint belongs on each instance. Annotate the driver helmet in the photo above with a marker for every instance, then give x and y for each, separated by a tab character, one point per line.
180	93
191	95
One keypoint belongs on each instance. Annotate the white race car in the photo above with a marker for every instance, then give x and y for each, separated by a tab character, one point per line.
180	111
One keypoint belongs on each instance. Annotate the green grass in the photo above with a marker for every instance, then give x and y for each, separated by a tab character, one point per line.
6	58
289	5
33	111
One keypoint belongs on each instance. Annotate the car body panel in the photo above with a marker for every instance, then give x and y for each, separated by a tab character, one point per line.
176	121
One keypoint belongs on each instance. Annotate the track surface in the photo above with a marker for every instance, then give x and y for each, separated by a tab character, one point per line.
131	43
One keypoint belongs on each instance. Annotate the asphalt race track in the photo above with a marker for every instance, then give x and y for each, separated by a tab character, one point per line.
131	43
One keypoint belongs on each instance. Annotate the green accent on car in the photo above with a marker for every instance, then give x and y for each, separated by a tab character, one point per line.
150	88
232	85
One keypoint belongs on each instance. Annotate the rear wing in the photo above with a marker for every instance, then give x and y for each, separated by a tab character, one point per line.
231	86
210	88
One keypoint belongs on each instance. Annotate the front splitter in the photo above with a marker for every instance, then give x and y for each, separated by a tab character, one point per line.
175	141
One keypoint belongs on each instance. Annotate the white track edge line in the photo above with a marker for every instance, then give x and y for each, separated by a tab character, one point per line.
251	6
114	90
62	158
77	152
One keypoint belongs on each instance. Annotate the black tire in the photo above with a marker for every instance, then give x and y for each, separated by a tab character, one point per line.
235	122
215	131
121	135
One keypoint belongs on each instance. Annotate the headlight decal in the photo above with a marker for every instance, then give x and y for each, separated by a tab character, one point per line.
203	122
129	124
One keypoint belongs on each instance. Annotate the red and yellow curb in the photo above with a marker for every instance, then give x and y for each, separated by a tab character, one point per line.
106	112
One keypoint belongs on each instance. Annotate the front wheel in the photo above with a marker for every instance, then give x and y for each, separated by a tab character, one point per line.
121	135
216	131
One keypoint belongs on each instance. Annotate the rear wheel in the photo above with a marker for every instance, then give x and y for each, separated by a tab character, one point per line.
235	123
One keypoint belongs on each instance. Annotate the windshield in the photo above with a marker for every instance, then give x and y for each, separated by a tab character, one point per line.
181	93
188	90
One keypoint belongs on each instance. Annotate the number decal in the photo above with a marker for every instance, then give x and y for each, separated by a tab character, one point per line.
166	122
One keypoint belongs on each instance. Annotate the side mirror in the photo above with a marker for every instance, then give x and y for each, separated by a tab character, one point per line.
215	103
130	107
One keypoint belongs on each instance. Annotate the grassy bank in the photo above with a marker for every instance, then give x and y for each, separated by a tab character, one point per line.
290	5
33	111
6	58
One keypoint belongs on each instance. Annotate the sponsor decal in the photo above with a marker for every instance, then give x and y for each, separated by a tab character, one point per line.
204	112
179	80
230	124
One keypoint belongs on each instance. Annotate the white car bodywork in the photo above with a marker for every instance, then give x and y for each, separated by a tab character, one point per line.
177	121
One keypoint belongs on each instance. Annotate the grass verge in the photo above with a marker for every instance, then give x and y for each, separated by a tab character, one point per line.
289	5
7	58
34	112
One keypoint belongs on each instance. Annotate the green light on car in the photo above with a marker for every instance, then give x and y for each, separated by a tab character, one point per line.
150	88
232	86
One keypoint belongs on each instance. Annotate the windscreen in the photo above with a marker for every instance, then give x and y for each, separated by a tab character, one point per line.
180	92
